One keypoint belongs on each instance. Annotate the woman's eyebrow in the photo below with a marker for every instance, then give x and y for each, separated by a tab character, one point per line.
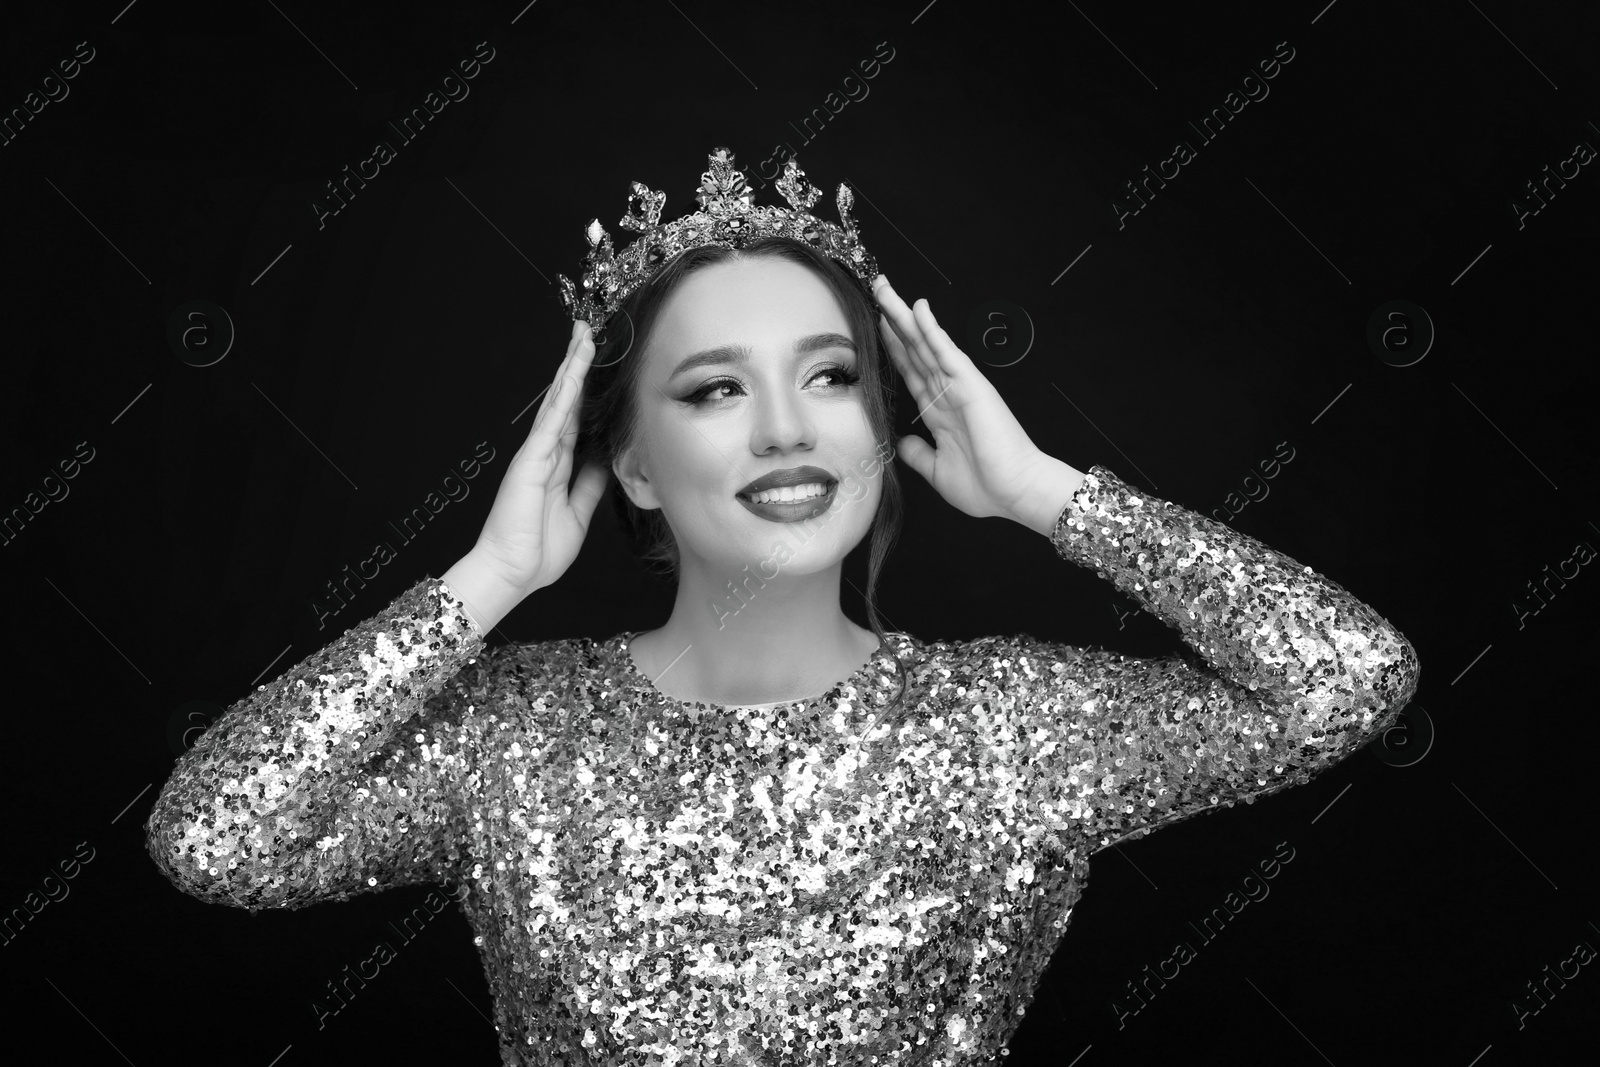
741	353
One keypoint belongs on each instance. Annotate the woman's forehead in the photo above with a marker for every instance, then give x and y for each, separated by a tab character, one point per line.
761	303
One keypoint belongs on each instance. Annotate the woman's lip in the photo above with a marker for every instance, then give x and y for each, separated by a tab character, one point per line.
828	486
791	510
808	474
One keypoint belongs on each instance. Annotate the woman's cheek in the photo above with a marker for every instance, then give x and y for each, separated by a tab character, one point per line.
852	488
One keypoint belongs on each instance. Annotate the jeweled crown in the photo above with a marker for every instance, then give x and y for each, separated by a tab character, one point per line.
727	216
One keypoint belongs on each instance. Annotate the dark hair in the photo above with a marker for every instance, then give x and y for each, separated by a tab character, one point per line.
608	420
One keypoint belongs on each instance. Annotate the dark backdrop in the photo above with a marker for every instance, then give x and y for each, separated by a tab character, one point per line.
1436	472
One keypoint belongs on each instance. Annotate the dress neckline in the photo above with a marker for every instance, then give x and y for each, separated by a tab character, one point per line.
860	678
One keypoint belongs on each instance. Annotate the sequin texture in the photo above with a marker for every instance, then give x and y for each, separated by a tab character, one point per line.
659	882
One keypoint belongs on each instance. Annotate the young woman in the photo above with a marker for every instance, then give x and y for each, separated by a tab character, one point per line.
761	833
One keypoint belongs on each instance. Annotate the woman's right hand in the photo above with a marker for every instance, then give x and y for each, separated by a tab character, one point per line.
536	526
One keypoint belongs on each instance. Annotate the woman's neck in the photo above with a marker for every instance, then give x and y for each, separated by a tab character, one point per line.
769	639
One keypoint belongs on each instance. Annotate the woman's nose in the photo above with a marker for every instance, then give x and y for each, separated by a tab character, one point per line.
782	422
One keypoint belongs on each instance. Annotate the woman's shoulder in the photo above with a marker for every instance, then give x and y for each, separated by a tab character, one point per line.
516	664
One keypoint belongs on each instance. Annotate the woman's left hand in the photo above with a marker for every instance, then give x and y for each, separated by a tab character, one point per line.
981	461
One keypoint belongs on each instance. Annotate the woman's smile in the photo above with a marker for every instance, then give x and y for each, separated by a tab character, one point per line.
791	504
790	495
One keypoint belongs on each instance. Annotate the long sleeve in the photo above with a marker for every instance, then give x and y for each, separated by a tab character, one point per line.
345	775
1297	673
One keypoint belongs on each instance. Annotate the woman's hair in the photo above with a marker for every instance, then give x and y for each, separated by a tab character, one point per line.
609	419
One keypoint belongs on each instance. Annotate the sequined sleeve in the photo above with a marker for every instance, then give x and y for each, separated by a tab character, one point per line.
345	775
1295	674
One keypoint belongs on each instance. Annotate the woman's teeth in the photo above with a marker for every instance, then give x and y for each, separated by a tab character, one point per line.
788	492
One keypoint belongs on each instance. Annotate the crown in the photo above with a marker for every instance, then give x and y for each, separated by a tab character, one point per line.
727	216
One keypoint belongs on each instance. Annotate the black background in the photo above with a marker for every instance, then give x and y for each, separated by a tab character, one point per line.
1229	315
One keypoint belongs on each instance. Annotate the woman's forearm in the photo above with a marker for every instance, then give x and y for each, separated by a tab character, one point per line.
294	795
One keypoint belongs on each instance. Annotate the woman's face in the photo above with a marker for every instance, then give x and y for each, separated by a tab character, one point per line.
711	421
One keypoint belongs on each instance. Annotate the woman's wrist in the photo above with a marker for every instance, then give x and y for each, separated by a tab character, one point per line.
488	597
1057	484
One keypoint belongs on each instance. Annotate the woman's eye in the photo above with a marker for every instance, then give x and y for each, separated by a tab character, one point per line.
701	394
843	377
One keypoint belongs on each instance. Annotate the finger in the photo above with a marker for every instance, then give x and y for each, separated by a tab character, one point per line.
890	304
574	371
567	438
925	326
920	387
577	374
579	336
545	433
549	392
582	353
909	330
587	490
902	362
572	402
930	381
563	397
918	455
946	353
893	309
566	358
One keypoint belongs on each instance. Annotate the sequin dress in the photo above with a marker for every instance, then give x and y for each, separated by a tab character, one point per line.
653	881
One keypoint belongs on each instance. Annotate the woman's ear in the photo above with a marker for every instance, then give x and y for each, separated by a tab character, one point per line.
631	476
